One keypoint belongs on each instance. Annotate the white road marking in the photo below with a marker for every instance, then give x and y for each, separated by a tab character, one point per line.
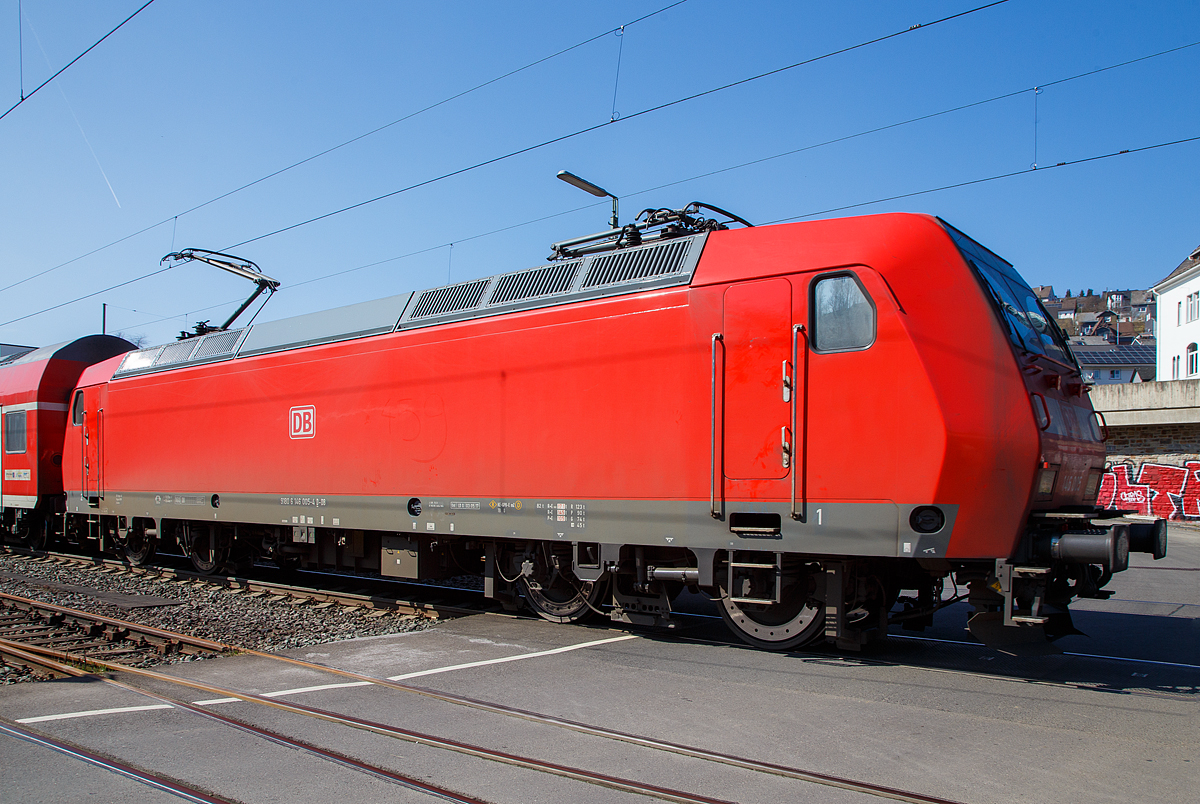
319	688
295	691
516	658
91	712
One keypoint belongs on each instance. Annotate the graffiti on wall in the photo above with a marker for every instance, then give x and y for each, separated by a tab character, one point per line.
1161	491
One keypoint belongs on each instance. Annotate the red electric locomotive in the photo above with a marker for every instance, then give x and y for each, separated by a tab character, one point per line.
802	420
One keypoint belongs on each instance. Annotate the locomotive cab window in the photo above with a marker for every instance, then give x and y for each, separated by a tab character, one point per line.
14	432
843	315
1030	328
77	408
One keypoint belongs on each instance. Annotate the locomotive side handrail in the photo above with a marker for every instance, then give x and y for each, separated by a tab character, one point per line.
712	452
797	455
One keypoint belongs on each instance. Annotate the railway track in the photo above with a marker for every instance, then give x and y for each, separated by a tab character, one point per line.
87	636
68	660
139	774
423	601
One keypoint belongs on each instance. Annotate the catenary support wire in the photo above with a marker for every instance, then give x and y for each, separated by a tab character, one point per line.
840	139
640	113
25	97
669	184
803	216
350	141
617	79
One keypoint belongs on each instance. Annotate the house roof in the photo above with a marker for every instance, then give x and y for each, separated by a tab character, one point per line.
1192	262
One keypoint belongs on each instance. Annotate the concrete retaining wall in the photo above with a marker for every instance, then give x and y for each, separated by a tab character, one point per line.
1153	447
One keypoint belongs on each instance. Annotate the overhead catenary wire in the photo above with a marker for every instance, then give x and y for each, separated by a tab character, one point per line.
844	138
919	118
859	134
174	219
87	296
1024	172
527	149
350	141
646	111
25	97
857	205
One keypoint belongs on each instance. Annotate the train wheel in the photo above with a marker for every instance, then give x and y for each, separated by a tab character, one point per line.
203	546
564	603
41	535
552	590
139	548
796	620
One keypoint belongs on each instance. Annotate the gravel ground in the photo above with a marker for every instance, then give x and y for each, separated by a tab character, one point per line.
204	611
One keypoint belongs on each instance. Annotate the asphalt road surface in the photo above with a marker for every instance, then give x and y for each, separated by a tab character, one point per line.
1115	717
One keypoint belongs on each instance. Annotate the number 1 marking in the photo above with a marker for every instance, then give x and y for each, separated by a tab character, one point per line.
818	516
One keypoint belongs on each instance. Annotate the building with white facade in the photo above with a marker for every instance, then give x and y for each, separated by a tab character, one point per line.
1178	324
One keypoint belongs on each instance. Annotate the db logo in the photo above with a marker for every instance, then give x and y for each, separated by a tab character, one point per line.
302	422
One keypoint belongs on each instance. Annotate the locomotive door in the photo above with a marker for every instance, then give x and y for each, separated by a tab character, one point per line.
758	442
93	454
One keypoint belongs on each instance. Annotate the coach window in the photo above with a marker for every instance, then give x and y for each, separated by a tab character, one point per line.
843	314
77	408
14	432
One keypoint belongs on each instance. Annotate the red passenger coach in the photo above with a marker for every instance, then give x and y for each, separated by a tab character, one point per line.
805	421
35	388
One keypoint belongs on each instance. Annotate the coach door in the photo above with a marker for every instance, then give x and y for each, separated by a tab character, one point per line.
758	377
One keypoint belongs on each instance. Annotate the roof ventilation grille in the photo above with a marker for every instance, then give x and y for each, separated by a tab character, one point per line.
218	344
639	264
554	278
175	353
440	301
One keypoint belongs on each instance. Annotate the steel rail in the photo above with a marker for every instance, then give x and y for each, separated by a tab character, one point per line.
169	637
134	772
829	780
258	731
407	735
30	661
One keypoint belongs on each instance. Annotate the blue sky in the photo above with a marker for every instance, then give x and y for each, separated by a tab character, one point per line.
191	100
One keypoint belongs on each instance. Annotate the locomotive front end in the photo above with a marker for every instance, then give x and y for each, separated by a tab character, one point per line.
1067	547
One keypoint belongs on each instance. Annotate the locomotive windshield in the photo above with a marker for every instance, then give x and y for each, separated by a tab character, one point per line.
1030	327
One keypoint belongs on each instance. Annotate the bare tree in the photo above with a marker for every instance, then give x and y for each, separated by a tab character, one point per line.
139	340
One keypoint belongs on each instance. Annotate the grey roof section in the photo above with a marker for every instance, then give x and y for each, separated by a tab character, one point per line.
660	264
663	263
327	326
